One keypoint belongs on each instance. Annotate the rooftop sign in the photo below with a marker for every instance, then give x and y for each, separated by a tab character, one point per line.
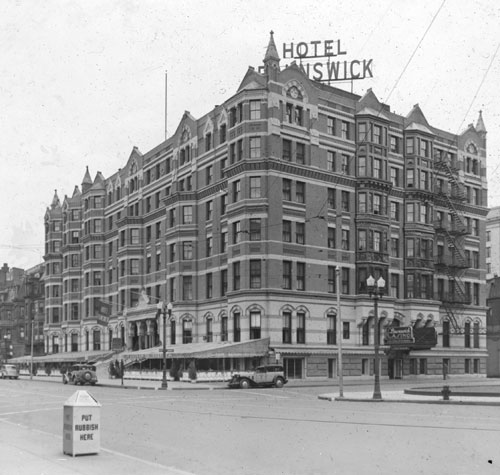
332	66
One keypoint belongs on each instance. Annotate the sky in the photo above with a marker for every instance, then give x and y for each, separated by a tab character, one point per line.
83	82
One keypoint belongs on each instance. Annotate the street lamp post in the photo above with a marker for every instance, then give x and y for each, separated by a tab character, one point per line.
31	359
341	334
376	291
163	310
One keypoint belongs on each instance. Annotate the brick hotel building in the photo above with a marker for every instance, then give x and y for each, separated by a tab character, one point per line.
241	218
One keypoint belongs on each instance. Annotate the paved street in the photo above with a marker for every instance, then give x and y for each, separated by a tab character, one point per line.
258	431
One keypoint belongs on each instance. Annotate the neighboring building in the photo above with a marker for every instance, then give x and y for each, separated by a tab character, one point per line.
493	243
34	303
12	334
241	217
493	326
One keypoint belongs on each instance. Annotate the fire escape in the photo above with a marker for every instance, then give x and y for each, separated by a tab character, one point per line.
453	261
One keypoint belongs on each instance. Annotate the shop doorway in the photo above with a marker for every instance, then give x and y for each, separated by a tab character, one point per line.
395	368
293	367
332	368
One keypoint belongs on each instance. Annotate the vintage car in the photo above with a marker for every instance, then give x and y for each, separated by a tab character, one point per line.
9	371
268	375
81	374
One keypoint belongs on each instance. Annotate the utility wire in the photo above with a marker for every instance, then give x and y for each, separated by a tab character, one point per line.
414	52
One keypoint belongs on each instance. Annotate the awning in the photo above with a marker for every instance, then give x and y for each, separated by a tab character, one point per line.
203	350
331	351
71	357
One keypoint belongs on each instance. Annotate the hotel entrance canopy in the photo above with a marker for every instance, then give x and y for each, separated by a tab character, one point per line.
244	349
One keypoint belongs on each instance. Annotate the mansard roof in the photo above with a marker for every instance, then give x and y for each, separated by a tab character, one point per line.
416	120
370	105
99	181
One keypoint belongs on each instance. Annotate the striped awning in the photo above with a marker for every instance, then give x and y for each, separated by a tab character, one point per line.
70	357
203	350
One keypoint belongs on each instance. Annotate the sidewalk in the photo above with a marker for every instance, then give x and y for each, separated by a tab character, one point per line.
136	383
474	394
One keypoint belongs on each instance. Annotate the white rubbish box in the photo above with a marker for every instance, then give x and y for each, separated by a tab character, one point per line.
81	424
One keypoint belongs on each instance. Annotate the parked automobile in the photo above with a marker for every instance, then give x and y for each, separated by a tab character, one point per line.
81	374
9	371
268	375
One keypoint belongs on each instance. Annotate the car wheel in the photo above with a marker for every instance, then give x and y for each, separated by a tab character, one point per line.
244	384
279	382
92	383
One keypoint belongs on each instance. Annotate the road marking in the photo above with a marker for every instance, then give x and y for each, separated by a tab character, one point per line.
147	462
267	395
30	411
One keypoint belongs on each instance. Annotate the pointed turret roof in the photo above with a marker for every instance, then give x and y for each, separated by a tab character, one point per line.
86	179
76	191
271	52
55	201
480	123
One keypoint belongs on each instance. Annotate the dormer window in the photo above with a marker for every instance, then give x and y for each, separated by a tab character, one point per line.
185	155
222	133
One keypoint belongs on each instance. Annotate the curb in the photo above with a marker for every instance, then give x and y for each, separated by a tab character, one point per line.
130	386
409	401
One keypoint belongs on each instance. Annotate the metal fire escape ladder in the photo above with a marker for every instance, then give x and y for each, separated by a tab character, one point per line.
457	297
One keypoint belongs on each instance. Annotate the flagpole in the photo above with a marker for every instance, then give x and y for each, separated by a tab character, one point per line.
166	82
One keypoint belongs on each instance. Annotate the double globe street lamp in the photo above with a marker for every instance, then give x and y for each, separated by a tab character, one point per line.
164	310
376	291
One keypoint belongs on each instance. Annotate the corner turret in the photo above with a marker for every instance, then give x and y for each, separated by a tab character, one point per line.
87	181
480	128
271	60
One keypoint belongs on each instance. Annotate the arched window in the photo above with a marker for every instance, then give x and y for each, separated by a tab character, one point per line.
254	325
74	342
467	335
172	332
236	326
187	331
210	334
476	335
96	340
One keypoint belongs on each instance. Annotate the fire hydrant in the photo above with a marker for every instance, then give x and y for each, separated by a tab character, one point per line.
446	393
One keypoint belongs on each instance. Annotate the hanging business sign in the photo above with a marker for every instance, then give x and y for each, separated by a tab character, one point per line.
410	338
325	61
399	336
